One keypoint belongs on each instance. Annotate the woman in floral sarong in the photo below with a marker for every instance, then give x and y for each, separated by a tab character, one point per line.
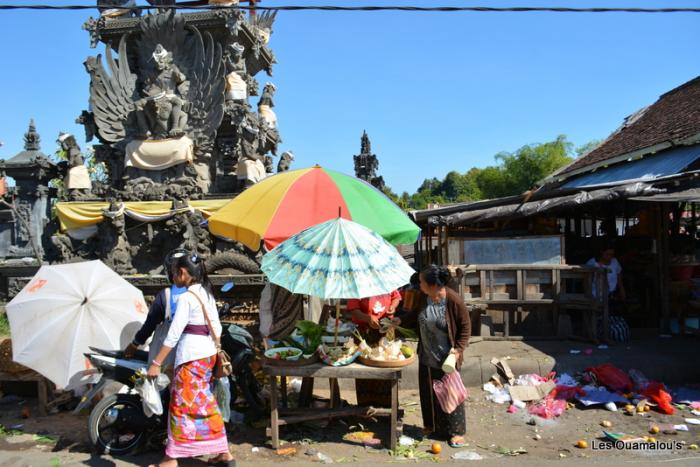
195	426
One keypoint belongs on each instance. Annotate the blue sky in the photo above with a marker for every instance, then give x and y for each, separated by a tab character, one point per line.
435	91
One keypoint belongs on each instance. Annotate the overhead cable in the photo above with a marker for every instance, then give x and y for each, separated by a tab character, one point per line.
406	8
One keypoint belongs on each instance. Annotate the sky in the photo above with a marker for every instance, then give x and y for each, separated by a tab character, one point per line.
435	91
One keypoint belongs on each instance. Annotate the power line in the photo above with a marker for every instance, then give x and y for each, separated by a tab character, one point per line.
446	9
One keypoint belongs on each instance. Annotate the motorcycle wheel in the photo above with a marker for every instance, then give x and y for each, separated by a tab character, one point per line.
104	428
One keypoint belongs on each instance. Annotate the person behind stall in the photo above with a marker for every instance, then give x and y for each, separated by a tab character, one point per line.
444	328
367	312
195	425
160	315
619	329
279	312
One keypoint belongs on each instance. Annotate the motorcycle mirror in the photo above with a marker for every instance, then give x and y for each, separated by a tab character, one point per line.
227	286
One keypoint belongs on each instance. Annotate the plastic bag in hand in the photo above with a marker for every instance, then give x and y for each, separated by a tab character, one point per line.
222	392
149	390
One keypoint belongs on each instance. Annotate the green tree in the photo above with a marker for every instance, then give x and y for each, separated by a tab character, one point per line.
515	173
530	164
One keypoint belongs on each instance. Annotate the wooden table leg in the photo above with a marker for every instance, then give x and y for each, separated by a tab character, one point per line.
42	395
335	393
283	387
307	392
274	414
394	413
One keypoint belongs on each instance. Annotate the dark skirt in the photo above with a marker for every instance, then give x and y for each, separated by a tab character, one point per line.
434	419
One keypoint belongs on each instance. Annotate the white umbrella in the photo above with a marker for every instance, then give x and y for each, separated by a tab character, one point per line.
67	308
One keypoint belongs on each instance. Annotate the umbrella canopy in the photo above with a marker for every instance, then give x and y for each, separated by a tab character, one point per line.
280	206
337	259
67	308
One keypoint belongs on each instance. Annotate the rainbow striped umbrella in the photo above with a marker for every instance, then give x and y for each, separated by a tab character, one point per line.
282	205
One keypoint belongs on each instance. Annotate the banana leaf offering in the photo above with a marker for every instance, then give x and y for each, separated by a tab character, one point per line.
306	336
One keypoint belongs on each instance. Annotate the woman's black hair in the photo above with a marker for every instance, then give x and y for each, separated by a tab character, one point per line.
415	281
436	275
194	265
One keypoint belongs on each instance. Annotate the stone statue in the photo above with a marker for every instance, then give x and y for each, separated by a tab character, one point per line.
161	117
285	161
269	164
251	168
163	103
196	237
168	79
77	182
265	105
115	250
236	85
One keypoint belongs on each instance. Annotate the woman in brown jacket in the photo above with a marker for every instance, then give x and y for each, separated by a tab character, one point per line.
444	328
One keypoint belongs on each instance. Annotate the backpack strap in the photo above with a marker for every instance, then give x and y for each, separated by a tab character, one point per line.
212	334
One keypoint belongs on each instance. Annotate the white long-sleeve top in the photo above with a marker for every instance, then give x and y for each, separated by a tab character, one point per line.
190	346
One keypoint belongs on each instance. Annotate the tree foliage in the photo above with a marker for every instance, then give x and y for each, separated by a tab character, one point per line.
514	173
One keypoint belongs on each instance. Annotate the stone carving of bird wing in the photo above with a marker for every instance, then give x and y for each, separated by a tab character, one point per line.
206	93
112	94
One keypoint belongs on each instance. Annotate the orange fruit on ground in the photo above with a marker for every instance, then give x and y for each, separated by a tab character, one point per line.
654	429
436	448
651	439
647	408
582	443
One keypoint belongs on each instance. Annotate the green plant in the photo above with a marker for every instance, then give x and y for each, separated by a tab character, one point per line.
4	324
4	431
45	439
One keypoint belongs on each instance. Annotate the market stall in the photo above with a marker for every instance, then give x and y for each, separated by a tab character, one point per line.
337	259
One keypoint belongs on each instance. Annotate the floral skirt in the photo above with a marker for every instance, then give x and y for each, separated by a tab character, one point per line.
195	425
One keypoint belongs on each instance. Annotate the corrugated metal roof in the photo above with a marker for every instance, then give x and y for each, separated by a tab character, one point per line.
669	162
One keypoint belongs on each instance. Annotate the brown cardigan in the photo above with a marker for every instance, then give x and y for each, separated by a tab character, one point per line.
459	325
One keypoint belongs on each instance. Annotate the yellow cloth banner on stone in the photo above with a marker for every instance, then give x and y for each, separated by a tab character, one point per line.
78	214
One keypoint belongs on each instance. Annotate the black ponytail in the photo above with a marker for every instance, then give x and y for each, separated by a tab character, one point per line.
436	275
194	265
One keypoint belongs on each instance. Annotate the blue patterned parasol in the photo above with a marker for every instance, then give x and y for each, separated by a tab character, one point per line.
337	259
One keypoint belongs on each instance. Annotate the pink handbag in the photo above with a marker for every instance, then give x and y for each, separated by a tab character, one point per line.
450	391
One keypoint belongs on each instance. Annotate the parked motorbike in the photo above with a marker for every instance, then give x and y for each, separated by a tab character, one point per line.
118	425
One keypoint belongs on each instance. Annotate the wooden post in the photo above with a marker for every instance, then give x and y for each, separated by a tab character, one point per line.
664	261
394	413
283	388
274	414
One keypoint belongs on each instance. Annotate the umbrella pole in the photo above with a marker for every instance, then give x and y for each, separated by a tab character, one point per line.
337	319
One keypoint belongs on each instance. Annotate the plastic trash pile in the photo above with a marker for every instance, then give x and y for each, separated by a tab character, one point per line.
603	385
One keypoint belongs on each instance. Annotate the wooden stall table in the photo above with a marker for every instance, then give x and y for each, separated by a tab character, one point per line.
286	416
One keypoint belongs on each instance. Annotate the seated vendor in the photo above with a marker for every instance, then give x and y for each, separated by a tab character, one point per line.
367	312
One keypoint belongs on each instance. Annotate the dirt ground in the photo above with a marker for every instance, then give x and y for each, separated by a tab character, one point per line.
491	432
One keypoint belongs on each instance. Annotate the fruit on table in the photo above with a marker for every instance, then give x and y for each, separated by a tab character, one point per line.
436	448
651	439
654	429
582	444
406	351
606	423
629	408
